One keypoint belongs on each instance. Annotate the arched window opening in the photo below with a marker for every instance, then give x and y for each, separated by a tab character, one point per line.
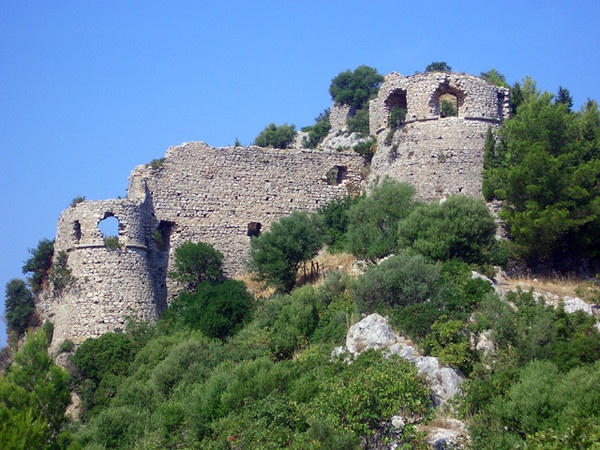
254	229
76	232
397	107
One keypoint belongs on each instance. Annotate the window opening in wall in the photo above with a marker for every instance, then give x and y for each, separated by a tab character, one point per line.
109	227
448	105
254	229
397	107
336	175
162	235
501	100
76	232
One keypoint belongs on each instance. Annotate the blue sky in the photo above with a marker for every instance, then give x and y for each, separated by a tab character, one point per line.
90	89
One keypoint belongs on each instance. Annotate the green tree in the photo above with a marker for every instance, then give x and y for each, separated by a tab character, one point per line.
276	136
355	88
373	220
196	263
359	123
564	96
19	306
39	264
33	397
276	255
547	172
494	77
438	66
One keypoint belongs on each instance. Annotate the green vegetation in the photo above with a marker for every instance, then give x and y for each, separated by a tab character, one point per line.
34	394
318	131
397	116
448	108
276	136
39	265
76	201
19	307
438	66
196	263
355	88
112	242
276	255
494	77
546	167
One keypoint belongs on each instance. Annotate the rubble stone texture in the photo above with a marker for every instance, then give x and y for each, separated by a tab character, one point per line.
223	196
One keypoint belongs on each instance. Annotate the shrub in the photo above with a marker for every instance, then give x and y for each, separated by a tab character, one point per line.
373	227
366	149
364	397
60	273
112	242
359	123
335	221
216	309
318	131
196	263
438	66
276	136
397	116
76	201
403	279
461	228
448	109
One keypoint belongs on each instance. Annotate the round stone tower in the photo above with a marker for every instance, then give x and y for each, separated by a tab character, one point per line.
111	284
439	146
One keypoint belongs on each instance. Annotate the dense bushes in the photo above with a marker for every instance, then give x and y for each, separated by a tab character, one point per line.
196	263
355	88
216	309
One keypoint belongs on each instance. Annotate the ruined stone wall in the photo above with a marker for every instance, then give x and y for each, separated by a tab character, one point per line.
214	194
439	155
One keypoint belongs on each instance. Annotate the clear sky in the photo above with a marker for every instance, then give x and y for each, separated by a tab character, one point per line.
90	89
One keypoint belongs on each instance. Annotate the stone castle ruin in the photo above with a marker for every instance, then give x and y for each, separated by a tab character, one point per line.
224	196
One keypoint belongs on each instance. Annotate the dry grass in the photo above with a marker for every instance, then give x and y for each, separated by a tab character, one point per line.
563	286
257	288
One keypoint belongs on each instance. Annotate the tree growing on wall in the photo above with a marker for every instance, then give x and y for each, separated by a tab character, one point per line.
438	66
39	264
355	88
276	136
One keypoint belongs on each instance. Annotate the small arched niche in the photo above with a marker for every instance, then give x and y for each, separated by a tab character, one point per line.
397	107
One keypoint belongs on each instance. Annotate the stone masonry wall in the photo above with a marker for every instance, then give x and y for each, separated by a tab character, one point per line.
214	194
440	156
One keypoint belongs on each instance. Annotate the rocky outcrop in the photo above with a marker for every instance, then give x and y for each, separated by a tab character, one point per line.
374	332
